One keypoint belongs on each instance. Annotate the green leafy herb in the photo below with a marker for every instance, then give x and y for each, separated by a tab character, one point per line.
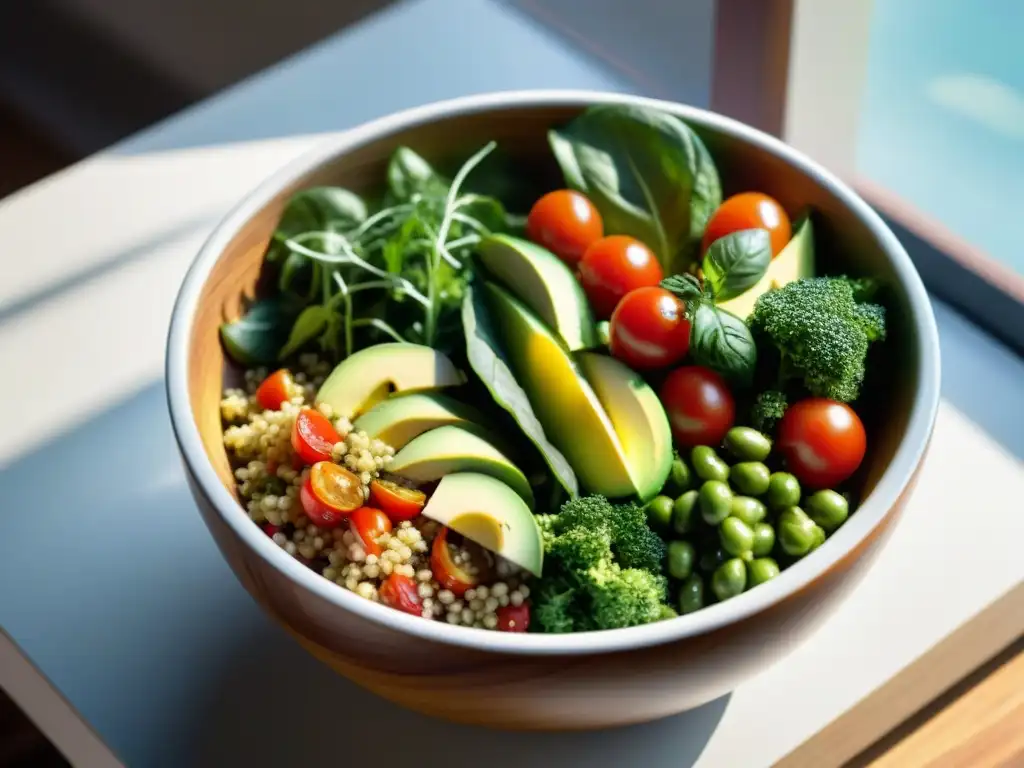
307	327
685	286
721	341
409	176
736	262
257	336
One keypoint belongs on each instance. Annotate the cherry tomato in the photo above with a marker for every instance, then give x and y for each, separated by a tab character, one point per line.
612	267
514	618
397	501
400	592
448	573
275	390
330	494
649	329
367	524
822	441
699	405
565	222
750	210
313	436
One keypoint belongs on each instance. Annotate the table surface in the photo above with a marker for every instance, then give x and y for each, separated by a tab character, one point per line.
123	604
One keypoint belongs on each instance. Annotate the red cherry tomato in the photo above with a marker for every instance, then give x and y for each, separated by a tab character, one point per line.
699	405
400	592
448	573
330	494
275	390
514	618
565	222
397	501
750	210
649	329
367	525
612	267
822	441
313	436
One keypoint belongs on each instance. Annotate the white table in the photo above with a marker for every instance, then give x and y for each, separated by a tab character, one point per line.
124	632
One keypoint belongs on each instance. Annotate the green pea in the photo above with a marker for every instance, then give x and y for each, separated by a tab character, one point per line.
684	513
659	512
749	510
736	536
828	509
715	501
691	594
680	478
729	579
761	570
708	465
819	537
666	612
681	557
750	477
764	539
796	532
783	490
711	559
747	444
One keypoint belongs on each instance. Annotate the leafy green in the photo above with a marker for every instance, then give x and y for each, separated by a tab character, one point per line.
307	326
648	174
722	342
409	175
257	336
736	262
685	286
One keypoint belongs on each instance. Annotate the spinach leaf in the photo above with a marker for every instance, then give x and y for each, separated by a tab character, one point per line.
722	342
320	208
307	326
737	261
647	173
488	361
409	174
257	336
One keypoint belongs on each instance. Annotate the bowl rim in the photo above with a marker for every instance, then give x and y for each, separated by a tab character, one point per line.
873	510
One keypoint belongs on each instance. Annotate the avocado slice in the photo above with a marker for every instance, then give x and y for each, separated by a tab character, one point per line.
794	262
564	402
485	510
367	377
639	419
543	283
451	449
402	418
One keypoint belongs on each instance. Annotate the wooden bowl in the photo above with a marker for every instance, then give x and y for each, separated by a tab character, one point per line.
535	681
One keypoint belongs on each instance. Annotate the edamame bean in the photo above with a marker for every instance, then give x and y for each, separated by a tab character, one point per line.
783	490
684	513
747	444
761	570
729	579
680	479
750	477
750	511
681	557
715	501
708	465
691	594
764	539
819	537
659	512
796	532
711	559
736	536
828	509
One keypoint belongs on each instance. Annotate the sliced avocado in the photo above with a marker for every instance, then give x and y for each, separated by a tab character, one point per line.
638	417
367	377
794	262
451	449
401	418
485	510
543	283
564	402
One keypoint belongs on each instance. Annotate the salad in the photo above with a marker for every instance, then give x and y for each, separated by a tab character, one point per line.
622	400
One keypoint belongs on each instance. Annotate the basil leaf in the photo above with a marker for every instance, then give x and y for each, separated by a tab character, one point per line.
722	342
685	286
307	326
409	175
488	362
735	262
648	174
257	336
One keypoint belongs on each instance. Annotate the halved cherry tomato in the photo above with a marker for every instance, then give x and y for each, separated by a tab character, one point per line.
514	618
823	441
330	494
397	501
275	390
367	525
449	574
400	592
649	329
313	436
565	222
612	267
750	210
699	405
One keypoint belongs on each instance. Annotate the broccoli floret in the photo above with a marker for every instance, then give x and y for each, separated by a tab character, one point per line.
579	548
583	512
554	605
624	597
821	333
769	407
634	544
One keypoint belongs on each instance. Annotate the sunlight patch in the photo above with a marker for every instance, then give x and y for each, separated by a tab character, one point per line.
985	100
